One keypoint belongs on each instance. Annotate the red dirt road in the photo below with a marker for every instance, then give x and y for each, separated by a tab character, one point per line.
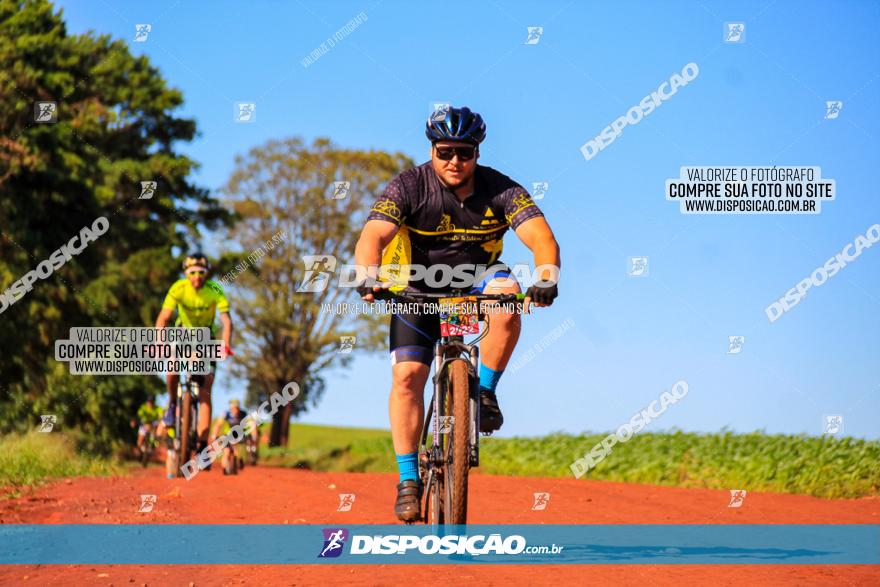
277	496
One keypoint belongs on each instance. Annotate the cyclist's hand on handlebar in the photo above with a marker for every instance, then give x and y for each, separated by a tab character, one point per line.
366	292
541	294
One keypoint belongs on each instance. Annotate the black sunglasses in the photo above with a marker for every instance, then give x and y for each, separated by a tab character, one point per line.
447	153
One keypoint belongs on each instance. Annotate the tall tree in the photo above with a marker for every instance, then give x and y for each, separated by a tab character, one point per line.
113	127
283	193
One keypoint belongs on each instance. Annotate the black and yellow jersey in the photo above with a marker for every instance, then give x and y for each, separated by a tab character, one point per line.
437	228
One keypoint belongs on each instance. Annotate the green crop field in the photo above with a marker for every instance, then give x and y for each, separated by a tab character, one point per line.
821	466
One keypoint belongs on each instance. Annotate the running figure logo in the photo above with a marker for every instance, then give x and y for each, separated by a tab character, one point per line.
147	503
735	344
833	424
318	271
346	344
540	189
340	190
541	501
141	31
333	541
534	35
148	189
832	109
446	423
438	114
638	267
734	32
47	422
45	112
346	500
737	497
245	112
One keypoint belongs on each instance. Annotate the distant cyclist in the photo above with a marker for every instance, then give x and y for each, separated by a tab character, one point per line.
197	299
233	417
149	416
453	212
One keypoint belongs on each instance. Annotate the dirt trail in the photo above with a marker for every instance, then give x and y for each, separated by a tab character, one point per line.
277	496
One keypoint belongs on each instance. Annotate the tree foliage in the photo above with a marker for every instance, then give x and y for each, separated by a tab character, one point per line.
115	128
282	193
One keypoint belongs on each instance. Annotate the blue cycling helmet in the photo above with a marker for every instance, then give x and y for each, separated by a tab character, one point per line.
458	124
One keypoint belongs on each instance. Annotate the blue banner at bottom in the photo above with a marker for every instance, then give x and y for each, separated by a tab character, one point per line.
387	544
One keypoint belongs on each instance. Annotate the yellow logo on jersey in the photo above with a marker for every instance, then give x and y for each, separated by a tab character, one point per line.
520	202
446	224
388	208
489	217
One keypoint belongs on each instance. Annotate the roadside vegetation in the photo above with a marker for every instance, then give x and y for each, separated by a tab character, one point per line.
35	458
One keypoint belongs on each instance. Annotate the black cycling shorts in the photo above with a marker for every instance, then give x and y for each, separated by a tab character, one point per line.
412	335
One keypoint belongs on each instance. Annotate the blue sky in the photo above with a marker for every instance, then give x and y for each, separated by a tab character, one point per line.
761	102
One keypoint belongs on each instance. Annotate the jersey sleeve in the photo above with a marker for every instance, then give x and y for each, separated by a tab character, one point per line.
392	205
219	295
519	206
171	299
146	415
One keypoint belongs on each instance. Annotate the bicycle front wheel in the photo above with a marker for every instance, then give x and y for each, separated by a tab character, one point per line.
146	449
186	427
458	458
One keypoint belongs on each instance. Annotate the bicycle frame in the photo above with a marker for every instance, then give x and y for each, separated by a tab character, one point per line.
148	445
188	384
446	350
433	461
251	449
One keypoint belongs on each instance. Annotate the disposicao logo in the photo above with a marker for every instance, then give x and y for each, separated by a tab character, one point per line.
334	539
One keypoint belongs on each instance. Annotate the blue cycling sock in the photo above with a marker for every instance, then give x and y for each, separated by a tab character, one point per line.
489	378
408	466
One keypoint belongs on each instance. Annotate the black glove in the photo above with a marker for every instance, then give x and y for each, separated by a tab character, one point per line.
366	286
363	289
543	292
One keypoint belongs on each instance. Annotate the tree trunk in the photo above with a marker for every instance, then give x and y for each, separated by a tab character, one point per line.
285	424
275	434
281	423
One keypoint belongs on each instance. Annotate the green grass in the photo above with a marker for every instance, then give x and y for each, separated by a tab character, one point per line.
38	457
327	448
821	466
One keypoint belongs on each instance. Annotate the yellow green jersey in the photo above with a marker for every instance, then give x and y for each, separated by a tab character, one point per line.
196	307
148	415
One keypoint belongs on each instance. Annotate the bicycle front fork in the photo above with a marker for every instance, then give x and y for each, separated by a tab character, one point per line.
474	398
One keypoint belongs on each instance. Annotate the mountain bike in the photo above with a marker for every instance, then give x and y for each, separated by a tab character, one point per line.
452	448
187	417
251	447
148	446
233	461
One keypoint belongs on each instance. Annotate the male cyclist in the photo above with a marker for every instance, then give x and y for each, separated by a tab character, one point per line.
450	211
148	416
197	299
233	417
